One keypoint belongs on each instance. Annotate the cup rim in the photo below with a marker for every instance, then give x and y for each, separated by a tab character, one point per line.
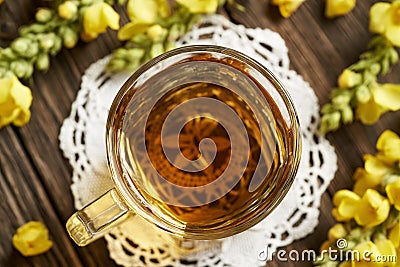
140	207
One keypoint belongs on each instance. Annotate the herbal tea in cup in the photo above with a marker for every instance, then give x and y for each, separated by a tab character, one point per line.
202	141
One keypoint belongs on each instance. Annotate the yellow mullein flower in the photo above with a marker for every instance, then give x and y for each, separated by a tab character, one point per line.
387	250
372	210
148	11
336	8
389	144
368	255
32	239
97	18
384	97
380	168
199	6
143	15
393	193
346	203
67	10
287	7
364	180
349	79
345	264
15	100
394	235
385	20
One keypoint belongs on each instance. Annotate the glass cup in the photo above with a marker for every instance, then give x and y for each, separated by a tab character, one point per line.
202	142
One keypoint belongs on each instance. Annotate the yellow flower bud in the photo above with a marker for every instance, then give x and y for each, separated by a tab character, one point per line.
337	231
32	239
336	8
348	79
67	10
155	32
287	7
373	209
199	6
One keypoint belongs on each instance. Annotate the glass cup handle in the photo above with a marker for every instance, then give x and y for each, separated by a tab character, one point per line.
95	219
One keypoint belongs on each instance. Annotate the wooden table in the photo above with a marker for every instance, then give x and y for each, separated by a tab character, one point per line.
35	178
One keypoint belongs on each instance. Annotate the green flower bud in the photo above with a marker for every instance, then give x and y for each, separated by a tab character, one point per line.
134	54
116	64
25	47
43	15
132	65
21	68
47	41
86	2
8	54
120	53
342	98
347	114
20	45
58	43
375	68
363	95
175	32
141	39
385	64
33	28
170	46
70	37
3	72
43	62
156	49
393	56
330	122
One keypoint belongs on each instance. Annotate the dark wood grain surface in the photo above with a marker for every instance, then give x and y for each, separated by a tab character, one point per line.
35	178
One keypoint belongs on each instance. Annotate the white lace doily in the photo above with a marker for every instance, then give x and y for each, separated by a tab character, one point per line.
137	243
